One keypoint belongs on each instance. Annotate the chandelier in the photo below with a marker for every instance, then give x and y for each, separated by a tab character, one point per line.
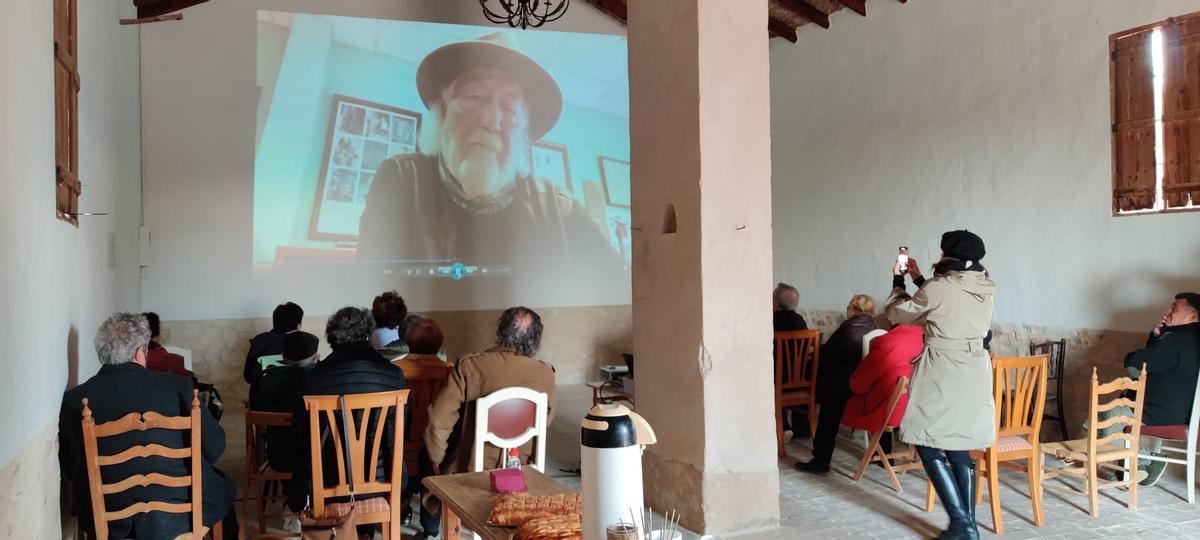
525	13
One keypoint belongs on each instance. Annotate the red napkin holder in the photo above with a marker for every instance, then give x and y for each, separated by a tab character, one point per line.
507	480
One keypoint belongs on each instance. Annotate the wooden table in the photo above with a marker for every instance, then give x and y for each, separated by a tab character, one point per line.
468	497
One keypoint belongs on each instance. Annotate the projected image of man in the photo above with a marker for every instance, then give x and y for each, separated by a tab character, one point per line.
470	195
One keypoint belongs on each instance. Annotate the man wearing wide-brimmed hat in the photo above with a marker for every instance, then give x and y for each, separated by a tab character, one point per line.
470	195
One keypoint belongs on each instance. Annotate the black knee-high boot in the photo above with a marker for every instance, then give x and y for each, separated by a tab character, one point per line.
944	482
964	476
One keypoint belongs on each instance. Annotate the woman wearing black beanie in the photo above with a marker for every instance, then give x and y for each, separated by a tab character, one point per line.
950	408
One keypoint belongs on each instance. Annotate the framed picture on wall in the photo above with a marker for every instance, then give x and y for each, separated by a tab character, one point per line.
360	136
550	163
614	174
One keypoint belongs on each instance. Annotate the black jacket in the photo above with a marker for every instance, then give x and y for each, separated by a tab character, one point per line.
840	356
281	389
786	320
112	393
264	344
349	369
1172	363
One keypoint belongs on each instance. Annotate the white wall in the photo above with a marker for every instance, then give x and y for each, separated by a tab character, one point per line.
58	282
199	111
993	116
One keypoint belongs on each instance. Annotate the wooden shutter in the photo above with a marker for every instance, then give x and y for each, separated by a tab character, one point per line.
1181	112
1132	71
66	106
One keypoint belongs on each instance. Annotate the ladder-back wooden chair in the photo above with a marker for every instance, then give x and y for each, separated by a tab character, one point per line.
1019	391
265	483
367	413
797	354
142	422
1056	354
425	382
1084	457
907	459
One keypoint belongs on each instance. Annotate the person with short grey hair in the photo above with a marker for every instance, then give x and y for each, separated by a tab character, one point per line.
124	385
784	302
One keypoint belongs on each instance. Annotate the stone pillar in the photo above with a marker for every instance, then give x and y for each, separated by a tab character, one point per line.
700	134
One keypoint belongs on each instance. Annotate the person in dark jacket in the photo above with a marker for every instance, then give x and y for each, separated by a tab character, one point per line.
784	301
352	368
281	389
1172	359
123	386
286	318
839	357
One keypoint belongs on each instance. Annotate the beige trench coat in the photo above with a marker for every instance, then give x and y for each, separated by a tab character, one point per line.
950	404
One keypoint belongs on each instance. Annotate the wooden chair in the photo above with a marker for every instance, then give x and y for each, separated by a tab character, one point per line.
367	413
141	422
1056	353
261	479
509	418
1084	457
1185	434
797	354
425	382
1019	391
874	452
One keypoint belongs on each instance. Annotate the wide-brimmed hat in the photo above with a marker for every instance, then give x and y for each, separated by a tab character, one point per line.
498	51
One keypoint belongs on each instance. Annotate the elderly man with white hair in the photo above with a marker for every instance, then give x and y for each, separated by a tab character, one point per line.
470	196
122	386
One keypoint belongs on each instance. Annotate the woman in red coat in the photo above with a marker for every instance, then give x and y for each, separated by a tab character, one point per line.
875	379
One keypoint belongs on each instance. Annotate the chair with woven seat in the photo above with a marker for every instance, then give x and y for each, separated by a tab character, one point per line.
142	422
797	354
367	414
1084	457
1056	354
265	483
1181	434
907	459
1019	390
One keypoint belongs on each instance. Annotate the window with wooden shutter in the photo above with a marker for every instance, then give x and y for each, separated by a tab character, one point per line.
1155	73
66	107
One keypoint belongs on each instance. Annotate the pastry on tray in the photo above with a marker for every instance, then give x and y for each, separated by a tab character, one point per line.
513	509
568	527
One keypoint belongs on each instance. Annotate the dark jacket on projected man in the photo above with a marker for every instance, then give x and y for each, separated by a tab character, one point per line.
411	215
115	391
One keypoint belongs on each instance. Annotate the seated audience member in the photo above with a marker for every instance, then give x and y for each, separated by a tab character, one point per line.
281	389
353	367
389	312
1172	359
840	355
450	437
122	386
874	380
784	301
157	357
286	318
424	339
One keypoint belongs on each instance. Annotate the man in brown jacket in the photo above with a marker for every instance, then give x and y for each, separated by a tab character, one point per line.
450	437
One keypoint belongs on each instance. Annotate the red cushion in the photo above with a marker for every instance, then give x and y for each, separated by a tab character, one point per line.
1013	443
1178	432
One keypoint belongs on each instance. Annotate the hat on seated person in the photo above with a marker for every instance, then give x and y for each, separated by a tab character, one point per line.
299	348
963	245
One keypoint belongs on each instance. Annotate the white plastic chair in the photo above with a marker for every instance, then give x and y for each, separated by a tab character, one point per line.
868	337
185	353
1189	434
508	418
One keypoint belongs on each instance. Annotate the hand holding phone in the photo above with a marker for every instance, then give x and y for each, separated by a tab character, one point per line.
902	259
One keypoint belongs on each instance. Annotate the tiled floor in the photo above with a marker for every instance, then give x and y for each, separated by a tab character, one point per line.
833	506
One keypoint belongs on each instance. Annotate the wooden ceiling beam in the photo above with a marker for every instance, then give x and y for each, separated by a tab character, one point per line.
808	11
149	8
857	6
778	28
616	9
